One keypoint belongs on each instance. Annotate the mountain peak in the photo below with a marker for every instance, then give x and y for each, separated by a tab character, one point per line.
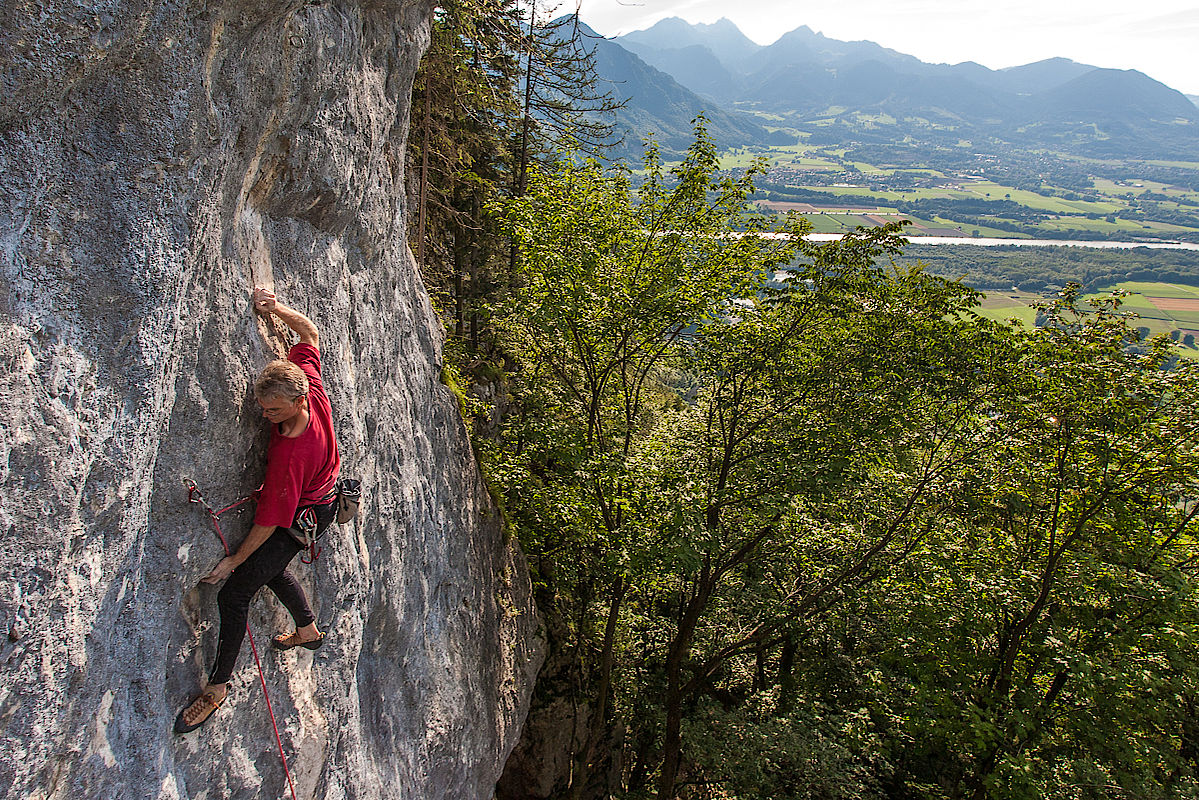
723	38
670	25
1057	61
802	33
724	25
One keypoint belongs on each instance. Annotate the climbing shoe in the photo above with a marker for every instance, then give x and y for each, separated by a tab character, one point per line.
286	641
204	705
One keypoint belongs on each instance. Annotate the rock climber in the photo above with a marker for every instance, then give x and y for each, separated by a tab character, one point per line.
296	503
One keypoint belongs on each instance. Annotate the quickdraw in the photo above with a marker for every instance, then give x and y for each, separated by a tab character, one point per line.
307	523
195	496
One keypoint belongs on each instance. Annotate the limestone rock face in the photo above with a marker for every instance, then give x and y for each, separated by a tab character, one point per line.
157	159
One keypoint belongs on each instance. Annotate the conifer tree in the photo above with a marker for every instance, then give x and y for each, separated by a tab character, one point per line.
500	87
458	158
564	106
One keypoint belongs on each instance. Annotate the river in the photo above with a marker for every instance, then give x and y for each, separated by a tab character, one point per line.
988	242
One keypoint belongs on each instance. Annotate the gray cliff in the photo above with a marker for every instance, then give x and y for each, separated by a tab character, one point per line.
157	159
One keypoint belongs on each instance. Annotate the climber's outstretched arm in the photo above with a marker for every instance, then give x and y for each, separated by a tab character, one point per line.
265	303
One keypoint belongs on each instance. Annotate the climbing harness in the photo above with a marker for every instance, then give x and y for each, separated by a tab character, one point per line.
347	494
194	496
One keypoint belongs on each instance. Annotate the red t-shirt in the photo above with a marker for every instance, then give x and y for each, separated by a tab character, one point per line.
300	471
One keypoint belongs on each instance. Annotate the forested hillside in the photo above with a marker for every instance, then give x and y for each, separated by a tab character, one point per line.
836	536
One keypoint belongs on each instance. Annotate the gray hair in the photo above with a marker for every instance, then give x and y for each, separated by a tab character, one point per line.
282	379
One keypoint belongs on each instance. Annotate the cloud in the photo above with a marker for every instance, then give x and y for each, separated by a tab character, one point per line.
1175	26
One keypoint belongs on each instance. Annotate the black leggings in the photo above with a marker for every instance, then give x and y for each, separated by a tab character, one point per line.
266	566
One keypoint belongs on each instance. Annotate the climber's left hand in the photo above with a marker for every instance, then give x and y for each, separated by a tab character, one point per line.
221	571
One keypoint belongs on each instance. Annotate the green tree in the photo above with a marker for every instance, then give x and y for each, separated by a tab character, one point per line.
841	536
1052	629
612	281
829	414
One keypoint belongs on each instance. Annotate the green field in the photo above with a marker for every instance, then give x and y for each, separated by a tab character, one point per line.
988	191
1004	306
825	223
1179	164
784	155
1153	289
1090	202
1188	319
1138	188
832	222
1142	307
983	230
1055	205
1102	226
1158	320
1003	312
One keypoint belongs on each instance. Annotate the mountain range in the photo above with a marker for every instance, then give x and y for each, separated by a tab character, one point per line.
655	103
807	83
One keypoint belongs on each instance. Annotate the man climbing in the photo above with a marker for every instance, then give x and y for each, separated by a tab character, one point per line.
297	502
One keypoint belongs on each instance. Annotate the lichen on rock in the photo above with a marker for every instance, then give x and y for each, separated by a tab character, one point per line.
158	159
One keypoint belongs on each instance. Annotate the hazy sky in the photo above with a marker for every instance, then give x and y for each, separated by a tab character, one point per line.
1157	37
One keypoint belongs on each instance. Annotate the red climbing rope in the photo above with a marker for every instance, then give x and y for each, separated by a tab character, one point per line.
194	496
